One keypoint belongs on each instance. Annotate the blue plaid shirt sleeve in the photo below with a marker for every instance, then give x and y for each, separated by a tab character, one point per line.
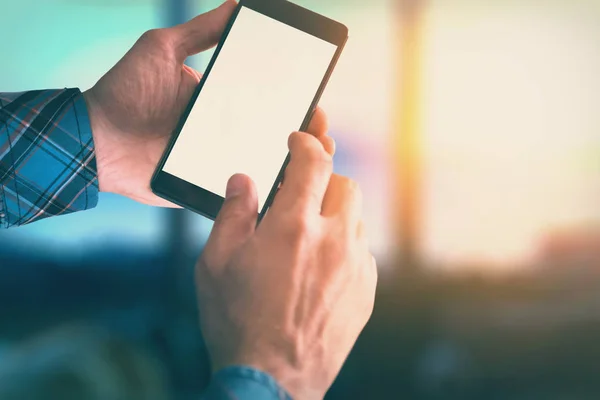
244	383
47	160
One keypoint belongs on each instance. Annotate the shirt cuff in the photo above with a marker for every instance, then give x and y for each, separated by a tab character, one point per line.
47	159
244	383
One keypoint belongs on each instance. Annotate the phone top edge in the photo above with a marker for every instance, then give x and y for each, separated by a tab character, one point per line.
301	18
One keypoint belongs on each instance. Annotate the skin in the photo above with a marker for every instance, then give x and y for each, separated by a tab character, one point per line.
288	297
132	120
291	296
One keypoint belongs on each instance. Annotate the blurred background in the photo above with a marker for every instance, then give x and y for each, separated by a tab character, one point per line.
474	130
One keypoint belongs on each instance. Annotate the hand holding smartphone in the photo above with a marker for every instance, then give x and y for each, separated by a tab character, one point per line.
262	83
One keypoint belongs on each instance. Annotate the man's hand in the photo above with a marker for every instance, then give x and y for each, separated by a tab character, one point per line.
135	107
291	296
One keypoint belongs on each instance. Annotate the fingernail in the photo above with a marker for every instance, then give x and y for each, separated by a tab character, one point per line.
235	186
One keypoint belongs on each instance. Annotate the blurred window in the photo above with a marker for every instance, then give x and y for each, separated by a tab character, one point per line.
511	126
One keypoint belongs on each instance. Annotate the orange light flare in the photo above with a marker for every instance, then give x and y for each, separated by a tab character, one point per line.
407	143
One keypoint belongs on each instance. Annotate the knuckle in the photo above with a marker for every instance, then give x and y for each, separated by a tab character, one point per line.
352	188
344	184
299	226
318	156
352	193
302	226
150	35
158	37
207	264
311	148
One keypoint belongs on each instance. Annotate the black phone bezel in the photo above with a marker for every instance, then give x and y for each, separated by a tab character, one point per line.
200	200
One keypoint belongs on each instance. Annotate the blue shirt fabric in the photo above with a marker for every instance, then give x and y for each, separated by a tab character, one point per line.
47	163
48	168
229	383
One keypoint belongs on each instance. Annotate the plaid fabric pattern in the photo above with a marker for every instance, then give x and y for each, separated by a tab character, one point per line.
47	161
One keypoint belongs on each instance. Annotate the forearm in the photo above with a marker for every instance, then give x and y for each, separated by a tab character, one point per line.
244	383
47	159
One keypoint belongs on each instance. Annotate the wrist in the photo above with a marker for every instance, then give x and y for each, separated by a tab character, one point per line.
102	145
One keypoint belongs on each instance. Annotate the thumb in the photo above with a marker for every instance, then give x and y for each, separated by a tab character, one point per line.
236	221
202	32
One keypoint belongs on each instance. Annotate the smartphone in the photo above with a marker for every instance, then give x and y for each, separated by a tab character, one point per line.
263	82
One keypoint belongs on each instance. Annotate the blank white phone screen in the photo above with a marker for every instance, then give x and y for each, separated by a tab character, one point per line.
259	90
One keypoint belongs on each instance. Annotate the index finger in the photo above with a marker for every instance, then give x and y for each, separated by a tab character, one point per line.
319	127
307	174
